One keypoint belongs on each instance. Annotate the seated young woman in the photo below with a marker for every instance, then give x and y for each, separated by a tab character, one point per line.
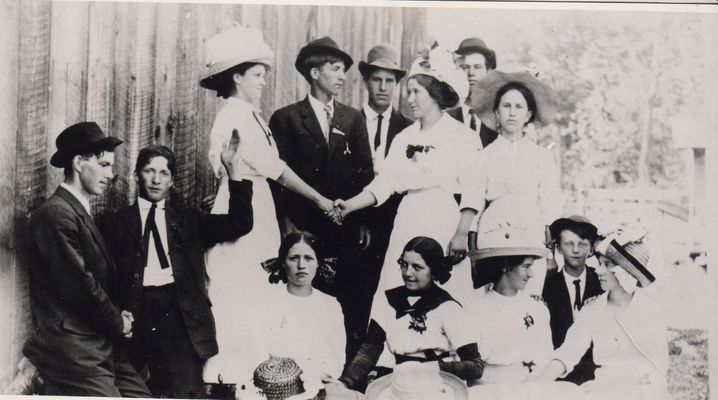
298	321
418	321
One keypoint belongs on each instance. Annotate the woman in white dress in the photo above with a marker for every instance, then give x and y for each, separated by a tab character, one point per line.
238	61
517	178
626	326
298	321
430	161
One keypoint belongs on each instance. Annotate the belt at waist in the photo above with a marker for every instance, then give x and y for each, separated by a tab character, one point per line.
428	356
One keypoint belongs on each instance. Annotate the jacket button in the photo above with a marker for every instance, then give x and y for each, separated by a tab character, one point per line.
137	276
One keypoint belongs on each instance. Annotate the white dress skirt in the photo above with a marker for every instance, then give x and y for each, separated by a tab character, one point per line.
237	280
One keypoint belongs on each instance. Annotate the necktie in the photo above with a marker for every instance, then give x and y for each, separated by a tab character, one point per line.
577	300
328	110
377	136
472	123
151	227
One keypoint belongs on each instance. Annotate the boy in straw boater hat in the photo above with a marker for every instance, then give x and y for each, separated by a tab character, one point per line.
76	325
325	143
476	60
625	324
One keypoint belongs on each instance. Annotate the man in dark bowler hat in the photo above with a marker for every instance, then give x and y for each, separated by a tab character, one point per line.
325	143
76	342
381	74
162	280
476	59
566	290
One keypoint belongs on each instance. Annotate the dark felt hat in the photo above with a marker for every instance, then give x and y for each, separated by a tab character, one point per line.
81	138
574	221
382	56
476	45
324	45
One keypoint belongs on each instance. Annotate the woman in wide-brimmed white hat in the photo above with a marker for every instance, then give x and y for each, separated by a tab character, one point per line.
238	59
430	161
517	178
625	324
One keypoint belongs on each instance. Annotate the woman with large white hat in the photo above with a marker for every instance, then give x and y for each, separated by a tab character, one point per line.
238	59
517	178
430	161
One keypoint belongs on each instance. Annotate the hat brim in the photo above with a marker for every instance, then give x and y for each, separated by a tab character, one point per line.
562	224
484	93
366	69
484	254
377	389
62	158
318	49
210	80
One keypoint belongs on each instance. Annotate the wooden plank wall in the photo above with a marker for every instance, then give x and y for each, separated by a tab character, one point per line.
134	69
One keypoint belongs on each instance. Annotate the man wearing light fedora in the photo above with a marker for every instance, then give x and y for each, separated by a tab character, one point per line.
325	143
476	60
76	342
565	291
381	74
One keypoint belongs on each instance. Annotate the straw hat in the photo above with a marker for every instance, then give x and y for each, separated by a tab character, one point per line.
382	56
280	378
231	47
416	381
476	45
81	138
484	95
630	253
438	63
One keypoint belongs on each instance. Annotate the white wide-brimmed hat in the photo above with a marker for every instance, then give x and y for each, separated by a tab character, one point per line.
231	47
438	62
509	241
413	380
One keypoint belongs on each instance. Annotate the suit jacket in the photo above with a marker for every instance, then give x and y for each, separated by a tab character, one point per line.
338	169
189	233
555	294
71	271
486	134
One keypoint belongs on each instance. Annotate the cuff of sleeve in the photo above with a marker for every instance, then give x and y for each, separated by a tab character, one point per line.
275	170
380	191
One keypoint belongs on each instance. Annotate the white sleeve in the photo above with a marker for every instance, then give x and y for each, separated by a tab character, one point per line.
578	339
550	197
254	150
219	138
471	194
480	181
455	324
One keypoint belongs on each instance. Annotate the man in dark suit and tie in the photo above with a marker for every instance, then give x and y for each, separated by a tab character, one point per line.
78	331
476	60
162	278
325	143
381	74
565	291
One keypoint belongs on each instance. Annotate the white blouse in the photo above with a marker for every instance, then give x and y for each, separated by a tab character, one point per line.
449	163
257	149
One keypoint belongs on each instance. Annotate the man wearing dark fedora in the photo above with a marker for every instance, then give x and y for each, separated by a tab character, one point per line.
160	252
76	342
325	143
381	74
566	290
476	60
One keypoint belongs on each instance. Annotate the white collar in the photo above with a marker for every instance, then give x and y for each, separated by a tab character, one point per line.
84	201
319	105
506	142
571	278
372	115
146	204
241	103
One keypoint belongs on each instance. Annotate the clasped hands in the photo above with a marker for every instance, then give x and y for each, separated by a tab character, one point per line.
335	210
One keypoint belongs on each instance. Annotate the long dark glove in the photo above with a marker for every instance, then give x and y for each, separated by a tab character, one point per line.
355	374
471	365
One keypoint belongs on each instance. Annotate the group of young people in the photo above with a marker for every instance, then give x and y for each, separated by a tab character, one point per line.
339	238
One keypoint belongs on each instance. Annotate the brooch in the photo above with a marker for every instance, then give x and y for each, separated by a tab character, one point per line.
528	320
412	149
418	323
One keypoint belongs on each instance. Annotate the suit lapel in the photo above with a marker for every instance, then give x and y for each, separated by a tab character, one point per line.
593	286
394	128
565	298
311	123
87	220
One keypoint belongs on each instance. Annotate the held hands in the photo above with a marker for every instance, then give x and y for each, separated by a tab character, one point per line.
330	210
127	320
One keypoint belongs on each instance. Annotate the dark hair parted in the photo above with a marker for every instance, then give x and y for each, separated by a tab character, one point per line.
290	240
156	150
444	95
316	61
496	266
68	170
224	81
433	254
528	96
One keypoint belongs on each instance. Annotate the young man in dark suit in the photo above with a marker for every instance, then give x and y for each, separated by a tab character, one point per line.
476	60
325	143
162	277
76	342
565	291
381	74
